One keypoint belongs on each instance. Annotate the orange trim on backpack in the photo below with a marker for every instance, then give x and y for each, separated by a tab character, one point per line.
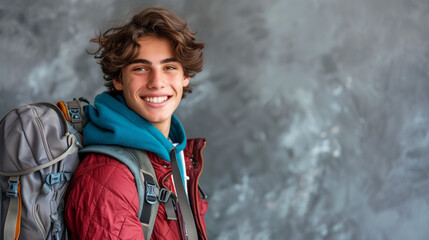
81	138
63	109
18	221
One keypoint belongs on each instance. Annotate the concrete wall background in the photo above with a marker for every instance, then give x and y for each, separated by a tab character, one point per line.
316	112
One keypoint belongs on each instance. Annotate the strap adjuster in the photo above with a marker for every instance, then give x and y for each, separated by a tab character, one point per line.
164	195
75	114
12	191
53	178
150	193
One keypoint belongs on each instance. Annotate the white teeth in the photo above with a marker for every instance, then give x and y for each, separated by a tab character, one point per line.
156	99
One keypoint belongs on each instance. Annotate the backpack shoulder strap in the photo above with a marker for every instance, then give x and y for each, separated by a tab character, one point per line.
147	185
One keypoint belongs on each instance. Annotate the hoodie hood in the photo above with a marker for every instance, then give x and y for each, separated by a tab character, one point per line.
110	122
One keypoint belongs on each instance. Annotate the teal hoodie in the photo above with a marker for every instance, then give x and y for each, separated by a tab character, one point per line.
111	122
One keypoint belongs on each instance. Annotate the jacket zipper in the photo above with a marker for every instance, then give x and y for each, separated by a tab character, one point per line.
196	214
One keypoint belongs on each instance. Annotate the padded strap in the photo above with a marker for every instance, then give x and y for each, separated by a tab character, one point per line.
150	203
12	223
124	156
141	167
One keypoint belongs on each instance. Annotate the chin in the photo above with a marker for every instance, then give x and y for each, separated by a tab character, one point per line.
156	120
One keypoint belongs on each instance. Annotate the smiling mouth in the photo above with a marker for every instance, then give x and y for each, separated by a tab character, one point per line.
156	99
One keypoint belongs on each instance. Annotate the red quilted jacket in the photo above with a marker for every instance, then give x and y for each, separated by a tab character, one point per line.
102	200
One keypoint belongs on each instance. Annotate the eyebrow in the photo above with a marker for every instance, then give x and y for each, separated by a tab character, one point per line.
167	60
145	61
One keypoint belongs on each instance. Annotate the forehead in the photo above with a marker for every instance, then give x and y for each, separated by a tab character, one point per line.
154	48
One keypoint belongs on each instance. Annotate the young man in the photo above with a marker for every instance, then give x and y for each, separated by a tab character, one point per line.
147	64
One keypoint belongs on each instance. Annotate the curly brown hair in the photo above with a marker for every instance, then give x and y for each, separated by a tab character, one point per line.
118	45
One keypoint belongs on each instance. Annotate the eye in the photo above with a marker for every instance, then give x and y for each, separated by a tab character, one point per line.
138	69
170	68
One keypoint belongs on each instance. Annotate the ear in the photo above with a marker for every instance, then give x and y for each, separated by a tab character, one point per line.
186	81
118	85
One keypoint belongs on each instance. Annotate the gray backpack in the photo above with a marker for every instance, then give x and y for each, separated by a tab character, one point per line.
39	153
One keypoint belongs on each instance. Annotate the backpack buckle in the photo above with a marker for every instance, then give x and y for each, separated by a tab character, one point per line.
150	193
75	114
164	195
53	178
12	191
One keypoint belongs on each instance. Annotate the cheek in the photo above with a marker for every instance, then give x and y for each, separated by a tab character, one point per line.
131	87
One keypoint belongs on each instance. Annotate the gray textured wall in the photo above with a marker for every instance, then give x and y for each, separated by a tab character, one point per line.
316	112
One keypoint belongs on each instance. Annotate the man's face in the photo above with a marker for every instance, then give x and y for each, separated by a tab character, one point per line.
153	83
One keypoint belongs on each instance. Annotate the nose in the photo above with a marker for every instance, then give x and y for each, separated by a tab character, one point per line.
156	80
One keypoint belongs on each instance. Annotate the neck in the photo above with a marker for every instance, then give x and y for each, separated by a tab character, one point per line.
164	128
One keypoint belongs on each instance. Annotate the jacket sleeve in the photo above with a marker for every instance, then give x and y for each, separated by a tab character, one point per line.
102	201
